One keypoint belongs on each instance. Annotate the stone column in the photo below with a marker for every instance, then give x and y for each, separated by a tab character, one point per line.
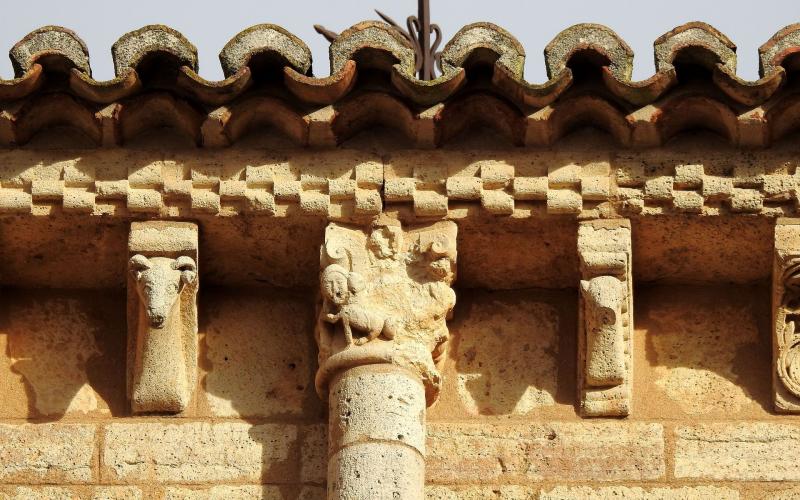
381	329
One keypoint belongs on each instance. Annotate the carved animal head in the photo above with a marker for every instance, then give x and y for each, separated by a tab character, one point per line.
605	300
159	282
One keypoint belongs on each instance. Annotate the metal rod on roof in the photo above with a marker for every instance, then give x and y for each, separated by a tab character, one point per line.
424	15
418	34
328	34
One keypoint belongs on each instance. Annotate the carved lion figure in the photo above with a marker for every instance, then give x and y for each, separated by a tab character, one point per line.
340	289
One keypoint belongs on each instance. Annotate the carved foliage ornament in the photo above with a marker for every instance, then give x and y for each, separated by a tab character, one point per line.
386	297
788	363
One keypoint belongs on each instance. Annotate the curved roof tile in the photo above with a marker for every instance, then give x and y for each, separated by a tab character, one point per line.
549	108
371	36
265	39
132	47
592	37
781	45
49	41
714	46
470	38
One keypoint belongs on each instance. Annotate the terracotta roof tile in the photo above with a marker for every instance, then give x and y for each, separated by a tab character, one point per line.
53	42
481	63
132	48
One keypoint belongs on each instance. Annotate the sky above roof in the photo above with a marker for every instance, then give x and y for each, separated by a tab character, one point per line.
210	24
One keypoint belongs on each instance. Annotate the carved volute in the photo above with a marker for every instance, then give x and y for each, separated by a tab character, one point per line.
386	297
381	328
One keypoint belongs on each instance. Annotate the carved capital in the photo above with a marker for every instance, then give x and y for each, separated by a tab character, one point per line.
162	315
785	315
605	330
386	295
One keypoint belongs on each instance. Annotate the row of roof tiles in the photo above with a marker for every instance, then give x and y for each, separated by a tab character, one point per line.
650	126
374	45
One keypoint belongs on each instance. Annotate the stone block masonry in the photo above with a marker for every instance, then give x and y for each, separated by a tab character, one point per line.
370	287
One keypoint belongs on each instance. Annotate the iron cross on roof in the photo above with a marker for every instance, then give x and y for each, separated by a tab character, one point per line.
418	35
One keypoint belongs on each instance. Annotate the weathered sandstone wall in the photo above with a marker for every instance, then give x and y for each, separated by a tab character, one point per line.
369	286
505	425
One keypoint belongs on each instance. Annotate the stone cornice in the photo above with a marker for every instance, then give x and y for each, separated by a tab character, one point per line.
350	185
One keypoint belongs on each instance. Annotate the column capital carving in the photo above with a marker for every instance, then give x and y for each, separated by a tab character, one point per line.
386	295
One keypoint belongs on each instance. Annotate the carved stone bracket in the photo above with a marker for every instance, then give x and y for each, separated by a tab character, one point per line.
785	314
162	315
605	329
381	329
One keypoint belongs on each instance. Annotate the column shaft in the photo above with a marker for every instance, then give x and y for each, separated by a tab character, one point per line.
376	434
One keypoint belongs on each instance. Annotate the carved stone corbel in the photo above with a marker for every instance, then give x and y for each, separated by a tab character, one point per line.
381	329
785	315
605	327
162	316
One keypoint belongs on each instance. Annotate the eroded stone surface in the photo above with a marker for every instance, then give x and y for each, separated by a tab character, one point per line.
376	421
784	494
199	452
506	361
501	492
465	453
40	493
377	403
117	493
47	453
698	338
639	493
261	356
314	453
243	493
402	472
52	343
61	352
737	451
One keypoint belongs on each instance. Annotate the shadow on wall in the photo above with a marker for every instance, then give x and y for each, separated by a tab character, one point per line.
513	351
699	350
707	348
66	350
258	356
67	347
